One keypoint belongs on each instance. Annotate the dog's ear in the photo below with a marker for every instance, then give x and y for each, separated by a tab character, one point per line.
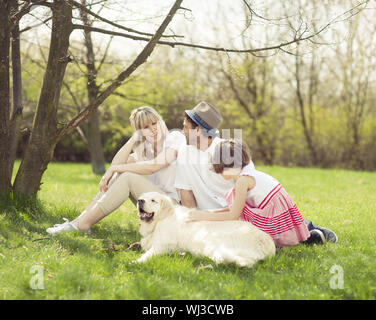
166	205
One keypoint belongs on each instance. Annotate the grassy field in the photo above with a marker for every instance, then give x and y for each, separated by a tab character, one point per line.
74	266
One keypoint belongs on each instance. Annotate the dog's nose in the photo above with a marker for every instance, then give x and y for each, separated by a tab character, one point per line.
140	201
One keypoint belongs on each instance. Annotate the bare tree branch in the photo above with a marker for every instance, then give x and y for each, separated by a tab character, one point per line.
299	36
254	13
104	55
85	9
135	99
28	5
140	59
36	25
238	96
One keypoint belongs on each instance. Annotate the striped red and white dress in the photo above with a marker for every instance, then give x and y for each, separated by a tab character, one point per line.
271	209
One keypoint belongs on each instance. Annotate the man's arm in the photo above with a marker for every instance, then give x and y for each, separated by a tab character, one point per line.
187	198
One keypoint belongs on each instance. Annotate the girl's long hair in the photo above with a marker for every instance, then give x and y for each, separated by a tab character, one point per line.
230	153
139	118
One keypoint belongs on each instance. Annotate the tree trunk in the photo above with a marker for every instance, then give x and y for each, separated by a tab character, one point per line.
43	138
5	174
302	108
93	136
16	110
92	130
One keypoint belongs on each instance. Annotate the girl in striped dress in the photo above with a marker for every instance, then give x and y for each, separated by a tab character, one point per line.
256	197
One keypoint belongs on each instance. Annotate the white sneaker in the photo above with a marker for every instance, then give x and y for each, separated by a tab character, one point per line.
63	227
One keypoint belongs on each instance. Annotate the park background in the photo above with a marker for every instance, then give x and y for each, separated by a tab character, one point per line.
311	103
297	77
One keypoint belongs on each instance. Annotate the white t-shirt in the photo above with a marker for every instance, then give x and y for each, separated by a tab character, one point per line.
165	178
265	186
193	173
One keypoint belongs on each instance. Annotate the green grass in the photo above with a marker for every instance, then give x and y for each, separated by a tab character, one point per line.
78	267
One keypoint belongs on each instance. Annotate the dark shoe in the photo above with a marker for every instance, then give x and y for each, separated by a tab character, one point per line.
317	237
330	236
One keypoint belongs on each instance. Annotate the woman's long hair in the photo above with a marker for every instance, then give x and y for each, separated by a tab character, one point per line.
140	118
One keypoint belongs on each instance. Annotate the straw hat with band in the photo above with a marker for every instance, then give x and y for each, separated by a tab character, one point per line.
207	117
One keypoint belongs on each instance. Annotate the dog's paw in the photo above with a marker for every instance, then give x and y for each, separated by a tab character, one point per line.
135	246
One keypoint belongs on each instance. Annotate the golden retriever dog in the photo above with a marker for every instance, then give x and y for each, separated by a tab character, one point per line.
164	229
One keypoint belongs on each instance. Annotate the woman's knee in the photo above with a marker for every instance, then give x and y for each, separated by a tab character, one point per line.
117	193
127	177
135	184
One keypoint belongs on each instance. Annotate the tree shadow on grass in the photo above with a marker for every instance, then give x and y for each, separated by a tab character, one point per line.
104	239
28	218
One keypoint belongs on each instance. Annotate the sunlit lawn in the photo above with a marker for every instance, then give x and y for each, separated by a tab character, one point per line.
74	266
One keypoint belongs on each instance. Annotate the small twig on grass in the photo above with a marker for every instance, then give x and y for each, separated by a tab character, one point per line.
41	239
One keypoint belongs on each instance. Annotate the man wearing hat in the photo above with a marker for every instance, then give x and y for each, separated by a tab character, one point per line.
198	185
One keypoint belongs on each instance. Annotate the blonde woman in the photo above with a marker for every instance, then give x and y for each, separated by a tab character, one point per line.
154	154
